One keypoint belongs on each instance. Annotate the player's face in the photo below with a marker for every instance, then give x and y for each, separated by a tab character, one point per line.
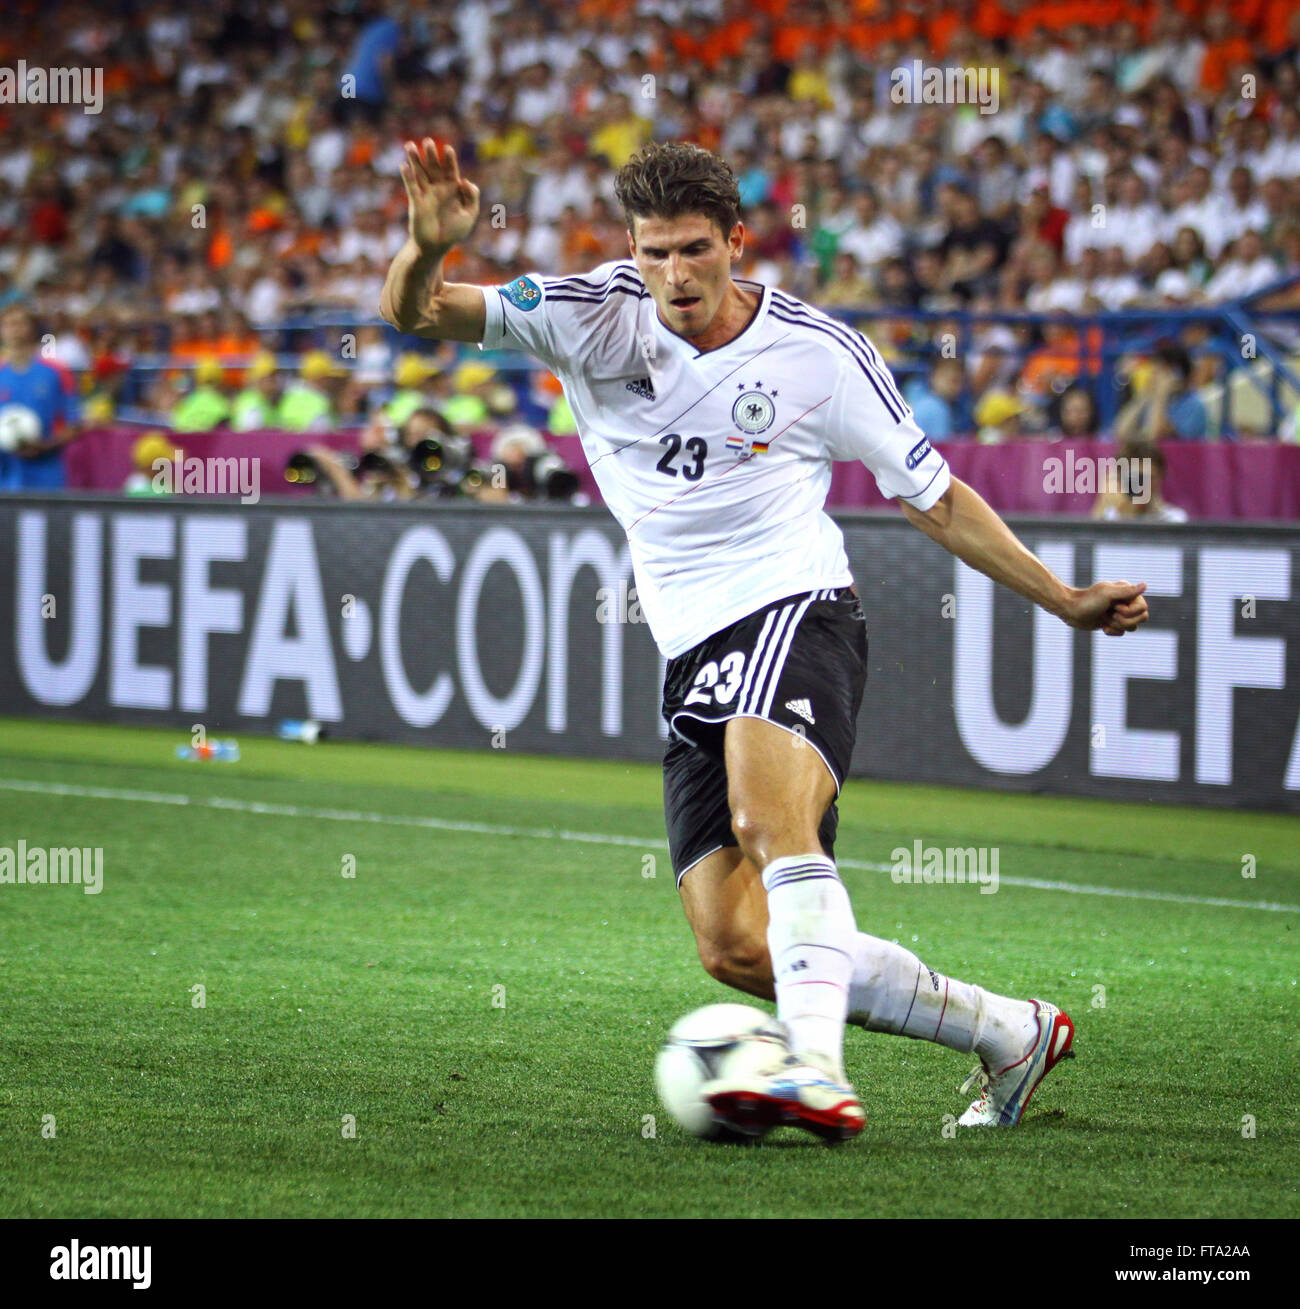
16	332
685	263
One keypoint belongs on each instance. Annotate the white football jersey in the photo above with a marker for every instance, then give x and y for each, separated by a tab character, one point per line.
717	465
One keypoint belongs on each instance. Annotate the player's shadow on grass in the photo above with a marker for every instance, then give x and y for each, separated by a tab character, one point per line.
1048	1118
789	1138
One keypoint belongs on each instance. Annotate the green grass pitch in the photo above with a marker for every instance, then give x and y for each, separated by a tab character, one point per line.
485	996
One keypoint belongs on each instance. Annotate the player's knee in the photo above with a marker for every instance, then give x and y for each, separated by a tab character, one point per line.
754	830
764	835
733	960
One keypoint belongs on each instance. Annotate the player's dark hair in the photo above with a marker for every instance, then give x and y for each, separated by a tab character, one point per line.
671	179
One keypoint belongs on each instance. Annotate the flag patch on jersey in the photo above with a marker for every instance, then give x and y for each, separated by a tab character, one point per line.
523	293
746	445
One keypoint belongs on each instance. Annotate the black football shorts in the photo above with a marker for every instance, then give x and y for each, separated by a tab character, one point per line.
800	663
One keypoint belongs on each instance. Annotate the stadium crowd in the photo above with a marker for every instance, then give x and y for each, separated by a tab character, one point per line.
210	248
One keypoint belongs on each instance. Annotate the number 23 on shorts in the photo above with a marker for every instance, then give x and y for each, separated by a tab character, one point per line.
717	683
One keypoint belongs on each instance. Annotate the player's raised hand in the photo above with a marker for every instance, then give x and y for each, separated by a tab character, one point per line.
441	205
1110	607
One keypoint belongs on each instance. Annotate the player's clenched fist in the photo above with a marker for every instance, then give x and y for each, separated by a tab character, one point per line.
1110	607
441	205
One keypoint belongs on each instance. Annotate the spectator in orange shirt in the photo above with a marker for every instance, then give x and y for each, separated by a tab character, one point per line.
1225	50
941	25
266	213
689	42
208	339
1281	26
798	31
580	246
727	40
991	20
220	249
237	341
295	240
1050	15
185	344
1058	362
890	22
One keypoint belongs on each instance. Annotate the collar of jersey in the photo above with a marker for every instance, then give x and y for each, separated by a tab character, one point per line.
681	346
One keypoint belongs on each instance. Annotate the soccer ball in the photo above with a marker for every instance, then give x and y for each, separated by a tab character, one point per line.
18	425
718	1040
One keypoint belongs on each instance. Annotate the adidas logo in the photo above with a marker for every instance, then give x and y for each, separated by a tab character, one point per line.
642	387
803	708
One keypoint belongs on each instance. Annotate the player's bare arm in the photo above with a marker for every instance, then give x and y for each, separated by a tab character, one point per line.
441	210
964	524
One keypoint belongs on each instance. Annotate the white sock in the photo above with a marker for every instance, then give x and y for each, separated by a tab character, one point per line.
893	991
810	937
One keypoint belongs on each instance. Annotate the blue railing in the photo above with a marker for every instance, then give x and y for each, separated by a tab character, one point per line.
1238	334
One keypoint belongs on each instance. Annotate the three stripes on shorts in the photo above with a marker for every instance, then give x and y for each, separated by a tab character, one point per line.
769	655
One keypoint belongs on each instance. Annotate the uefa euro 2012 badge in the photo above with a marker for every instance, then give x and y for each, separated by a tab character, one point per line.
523	293
753	413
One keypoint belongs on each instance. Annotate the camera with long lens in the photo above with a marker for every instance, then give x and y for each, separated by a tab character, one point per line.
551	477
440	458
473	480
388	463
441	465
304	469
445	466
533	471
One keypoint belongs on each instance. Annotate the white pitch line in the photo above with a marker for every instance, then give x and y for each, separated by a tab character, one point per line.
551	834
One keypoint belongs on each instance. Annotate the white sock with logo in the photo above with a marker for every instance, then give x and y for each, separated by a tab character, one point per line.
893	991
810	937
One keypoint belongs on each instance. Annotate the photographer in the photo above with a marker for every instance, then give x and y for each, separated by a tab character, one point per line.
426	459
530	469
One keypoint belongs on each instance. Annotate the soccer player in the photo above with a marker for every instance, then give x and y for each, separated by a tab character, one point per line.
46	388
710	410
